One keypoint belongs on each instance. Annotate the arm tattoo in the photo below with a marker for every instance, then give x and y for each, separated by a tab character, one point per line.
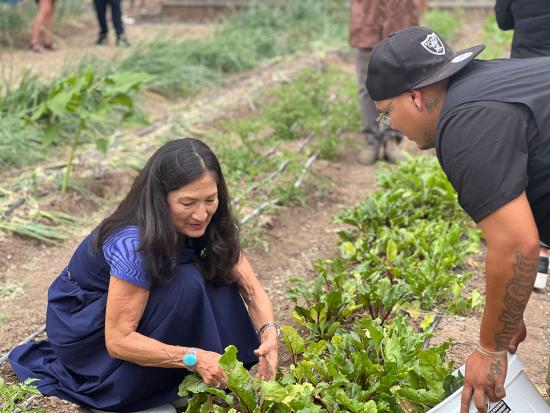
517	295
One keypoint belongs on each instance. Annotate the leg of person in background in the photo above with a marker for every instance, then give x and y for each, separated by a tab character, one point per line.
116	14
39	21
48	24
369	113
101	12
542	273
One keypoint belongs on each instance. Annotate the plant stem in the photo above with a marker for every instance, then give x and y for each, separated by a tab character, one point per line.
74	145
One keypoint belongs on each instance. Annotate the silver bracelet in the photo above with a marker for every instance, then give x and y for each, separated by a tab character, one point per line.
267	325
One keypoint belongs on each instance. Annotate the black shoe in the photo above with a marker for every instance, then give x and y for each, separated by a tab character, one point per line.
122	41
542	273
102	40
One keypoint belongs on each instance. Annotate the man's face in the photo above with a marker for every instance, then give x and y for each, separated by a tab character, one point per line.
401	112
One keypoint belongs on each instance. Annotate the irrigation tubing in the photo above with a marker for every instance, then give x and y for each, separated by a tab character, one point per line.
27	403
433	326
29	338
280	169
265	205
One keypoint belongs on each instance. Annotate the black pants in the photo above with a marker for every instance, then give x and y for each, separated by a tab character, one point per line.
116	14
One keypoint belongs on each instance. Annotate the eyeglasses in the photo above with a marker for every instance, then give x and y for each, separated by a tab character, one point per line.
384	118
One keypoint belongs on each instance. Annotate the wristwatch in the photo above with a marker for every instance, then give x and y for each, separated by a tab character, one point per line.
190	359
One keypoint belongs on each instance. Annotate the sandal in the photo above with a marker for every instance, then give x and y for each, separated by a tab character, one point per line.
51	46
36	47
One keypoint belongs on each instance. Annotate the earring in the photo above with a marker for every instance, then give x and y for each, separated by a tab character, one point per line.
417	107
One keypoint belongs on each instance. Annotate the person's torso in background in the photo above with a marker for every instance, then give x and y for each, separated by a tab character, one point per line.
531	28
373	20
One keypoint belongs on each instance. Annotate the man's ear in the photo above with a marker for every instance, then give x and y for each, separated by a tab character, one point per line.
415	97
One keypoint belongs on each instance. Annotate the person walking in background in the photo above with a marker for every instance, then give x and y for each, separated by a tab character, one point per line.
43	20
370	22
116	16
530	20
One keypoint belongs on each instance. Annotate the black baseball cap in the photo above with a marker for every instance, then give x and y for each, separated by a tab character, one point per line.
413	58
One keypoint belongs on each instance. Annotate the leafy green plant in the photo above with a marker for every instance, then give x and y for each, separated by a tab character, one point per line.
13	397
87	98
372	368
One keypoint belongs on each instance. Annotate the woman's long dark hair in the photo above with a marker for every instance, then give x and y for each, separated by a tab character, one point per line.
175	164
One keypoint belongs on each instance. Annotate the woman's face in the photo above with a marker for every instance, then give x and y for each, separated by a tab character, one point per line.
193	205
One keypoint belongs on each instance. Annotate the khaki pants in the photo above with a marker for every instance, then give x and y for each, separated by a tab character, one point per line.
369	113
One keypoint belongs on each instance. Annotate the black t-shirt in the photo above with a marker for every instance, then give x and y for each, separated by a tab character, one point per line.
491	152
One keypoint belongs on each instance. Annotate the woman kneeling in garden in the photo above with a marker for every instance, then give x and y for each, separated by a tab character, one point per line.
153	293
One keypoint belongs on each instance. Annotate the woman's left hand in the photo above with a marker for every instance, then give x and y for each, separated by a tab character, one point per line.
268	355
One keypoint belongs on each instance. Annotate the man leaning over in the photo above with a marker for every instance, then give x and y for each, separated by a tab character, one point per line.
490	124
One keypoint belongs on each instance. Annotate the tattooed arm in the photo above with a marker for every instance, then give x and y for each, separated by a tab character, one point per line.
511	265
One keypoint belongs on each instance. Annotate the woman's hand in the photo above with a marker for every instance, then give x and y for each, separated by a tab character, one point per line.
208	367
268	355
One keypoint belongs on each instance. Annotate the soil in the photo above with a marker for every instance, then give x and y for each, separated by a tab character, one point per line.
295	236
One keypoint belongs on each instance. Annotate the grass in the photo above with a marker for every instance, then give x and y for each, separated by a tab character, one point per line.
498	42
8	290
445	23
243	41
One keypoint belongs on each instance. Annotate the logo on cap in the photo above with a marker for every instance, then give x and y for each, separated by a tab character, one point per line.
433	44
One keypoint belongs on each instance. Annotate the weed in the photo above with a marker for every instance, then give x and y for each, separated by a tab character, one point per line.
13	397
9	290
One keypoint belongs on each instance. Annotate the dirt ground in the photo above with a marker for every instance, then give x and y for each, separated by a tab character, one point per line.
296	236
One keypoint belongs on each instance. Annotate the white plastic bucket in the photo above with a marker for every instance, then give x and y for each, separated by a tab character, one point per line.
521	395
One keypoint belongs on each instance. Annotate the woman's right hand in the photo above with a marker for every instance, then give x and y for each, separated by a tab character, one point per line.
208	367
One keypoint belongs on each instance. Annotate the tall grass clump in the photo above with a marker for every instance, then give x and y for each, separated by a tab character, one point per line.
243	41
497	42
445	23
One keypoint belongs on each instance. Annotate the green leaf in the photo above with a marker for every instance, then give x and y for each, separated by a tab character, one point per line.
58	103
273	391
102	145
123	82
391	251
292	340
51	133
192	383
238	379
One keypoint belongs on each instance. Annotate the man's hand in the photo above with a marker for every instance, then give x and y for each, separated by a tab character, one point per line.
518	338
485	376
